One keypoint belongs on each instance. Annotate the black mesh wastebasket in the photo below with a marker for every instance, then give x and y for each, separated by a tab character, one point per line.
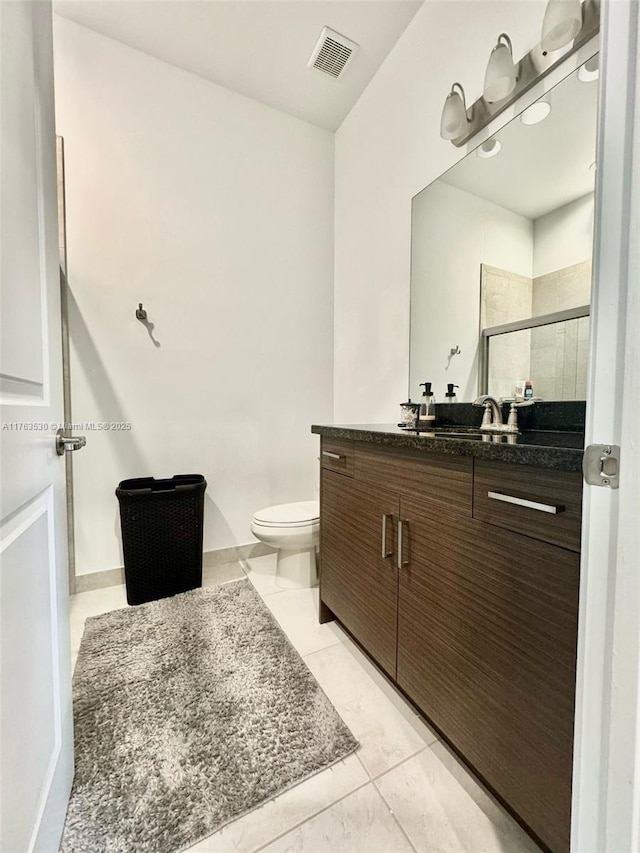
162	526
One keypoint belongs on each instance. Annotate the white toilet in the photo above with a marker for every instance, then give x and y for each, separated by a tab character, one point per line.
293	529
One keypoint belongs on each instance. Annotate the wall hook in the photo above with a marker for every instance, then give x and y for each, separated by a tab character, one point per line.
455	351
141	315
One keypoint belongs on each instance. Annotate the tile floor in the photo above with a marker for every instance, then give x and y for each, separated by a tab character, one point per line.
402	792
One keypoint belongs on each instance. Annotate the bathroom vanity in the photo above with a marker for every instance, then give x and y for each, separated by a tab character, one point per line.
453	560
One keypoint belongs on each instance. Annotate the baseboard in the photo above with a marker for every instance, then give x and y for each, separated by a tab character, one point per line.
210	560
99	580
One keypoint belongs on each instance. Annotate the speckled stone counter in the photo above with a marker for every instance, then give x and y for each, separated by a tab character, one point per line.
561	451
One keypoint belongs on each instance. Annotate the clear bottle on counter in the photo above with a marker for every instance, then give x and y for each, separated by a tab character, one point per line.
428	406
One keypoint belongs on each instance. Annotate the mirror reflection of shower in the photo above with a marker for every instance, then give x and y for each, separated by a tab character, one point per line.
504	236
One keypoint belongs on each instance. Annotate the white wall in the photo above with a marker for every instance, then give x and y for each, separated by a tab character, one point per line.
453	233
564	237
387	150
216	212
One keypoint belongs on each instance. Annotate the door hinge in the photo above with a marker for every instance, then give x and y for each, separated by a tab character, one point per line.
601	465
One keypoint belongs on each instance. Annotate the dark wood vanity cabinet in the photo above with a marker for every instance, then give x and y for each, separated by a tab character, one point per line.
359	584
487	627
476	620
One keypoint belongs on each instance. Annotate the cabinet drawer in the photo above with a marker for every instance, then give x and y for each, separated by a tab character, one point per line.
545	505
337	456
443	480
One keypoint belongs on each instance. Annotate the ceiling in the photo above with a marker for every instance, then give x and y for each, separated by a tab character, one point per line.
543	166
258	48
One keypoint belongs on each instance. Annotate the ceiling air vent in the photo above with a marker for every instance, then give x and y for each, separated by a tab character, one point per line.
332	53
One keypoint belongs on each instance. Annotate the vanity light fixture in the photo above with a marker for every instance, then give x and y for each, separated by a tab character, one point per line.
500	76
454	119
562	23
590	70
536	113
489	148
569	23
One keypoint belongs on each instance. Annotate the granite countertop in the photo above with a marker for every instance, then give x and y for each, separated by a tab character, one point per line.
558	450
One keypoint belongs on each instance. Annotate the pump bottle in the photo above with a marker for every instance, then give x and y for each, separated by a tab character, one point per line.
451	394
428	405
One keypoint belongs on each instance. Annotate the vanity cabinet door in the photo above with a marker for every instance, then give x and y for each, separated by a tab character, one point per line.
356	582
487	631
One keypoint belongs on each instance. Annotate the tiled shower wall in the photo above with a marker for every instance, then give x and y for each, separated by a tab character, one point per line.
553	357
559	353
506	296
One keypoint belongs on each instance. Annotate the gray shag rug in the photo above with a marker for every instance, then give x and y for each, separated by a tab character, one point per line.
190	712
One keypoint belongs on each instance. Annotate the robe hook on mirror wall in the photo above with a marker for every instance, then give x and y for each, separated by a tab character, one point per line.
455	350
141	314
566	27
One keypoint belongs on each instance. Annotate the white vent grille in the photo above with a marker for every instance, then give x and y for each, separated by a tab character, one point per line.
333	53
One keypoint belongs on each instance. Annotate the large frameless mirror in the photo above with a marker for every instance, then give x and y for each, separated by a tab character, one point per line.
501	256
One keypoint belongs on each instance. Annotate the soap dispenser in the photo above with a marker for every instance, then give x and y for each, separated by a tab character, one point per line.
451	394
428	406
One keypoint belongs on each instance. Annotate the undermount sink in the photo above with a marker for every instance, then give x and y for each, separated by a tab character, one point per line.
471	434
461	430
451	433
454	431
468	432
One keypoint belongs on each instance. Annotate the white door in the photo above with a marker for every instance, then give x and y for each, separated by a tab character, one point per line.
36	749
606	796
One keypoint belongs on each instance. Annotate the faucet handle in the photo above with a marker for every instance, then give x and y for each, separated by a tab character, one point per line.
512	423
487	419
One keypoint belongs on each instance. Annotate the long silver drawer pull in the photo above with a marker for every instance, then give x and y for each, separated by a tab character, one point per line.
552	509
332	455
401	561
385	553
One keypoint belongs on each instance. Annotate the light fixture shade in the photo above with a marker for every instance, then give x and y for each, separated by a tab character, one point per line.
500	76
590	70
562	23
489	148
536	113
454	115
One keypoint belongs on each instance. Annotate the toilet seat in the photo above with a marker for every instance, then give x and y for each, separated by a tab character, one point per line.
292	515
293	531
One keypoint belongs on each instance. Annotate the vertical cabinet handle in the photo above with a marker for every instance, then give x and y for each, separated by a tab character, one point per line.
385	553
401	527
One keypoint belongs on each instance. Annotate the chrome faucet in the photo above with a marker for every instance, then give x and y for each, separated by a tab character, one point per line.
492	418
